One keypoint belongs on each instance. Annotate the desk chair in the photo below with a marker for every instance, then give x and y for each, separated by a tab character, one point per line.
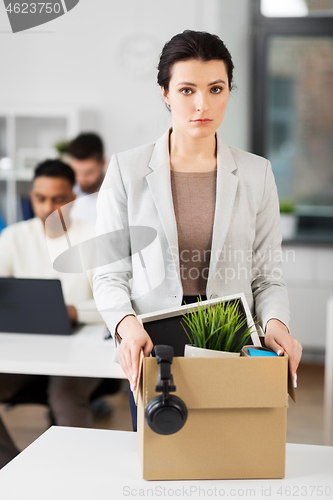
36	393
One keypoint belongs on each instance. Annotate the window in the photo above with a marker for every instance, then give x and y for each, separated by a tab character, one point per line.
299	117
296	8
293	99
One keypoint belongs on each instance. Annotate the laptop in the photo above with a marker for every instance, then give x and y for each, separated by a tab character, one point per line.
33	306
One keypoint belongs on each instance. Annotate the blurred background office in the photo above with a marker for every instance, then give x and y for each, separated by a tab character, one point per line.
94	69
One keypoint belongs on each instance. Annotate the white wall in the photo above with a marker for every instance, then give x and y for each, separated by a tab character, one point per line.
102	55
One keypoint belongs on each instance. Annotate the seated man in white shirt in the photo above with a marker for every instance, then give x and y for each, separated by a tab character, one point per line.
25	253
86	157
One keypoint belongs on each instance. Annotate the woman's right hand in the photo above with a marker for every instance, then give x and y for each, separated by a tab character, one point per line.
134	338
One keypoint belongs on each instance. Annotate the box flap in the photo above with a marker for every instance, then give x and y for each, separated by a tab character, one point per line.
137	389
291	389
223	382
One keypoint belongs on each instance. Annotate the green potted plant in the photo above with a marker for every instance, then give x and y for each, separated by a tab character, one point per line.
62	147
288	220
219	329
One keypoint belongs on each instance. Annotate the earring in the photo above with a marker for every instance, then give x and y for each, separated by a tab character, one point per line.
168	106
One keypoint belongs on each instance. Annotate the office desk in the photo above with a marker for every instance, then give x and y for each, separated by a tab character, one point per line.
86	464
83	354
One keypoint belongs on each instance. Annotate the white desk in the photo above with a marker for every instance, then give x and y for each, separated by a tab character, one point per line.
83	354
87	464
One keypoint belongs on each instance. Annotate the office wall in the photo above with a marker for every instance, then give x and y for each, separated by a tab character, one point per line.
102	56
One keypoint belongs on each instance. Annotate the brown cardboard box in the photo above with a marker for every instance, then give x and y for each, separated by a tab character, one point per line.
236	426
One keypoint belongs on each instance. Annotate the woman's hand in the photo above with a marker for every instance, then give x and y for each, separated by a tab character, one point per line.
279	340
134	338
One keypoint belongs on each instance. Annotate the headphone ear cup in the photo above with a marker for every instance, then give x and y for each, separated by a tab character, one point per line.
168	418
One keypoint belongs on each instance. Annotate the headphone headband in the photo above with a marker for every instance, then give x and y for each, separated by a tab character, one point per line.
165	414
164	353
164	356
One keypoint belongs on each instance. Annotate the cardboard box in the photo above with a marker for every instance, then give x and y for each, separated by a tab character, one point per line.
236	426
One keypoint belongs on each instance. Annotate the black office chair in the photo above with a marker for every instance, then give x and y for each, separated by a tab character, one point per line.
35	392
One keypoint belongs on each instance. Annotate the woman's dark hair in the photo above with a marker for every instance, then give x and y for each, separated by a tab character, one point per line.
190	44
55	168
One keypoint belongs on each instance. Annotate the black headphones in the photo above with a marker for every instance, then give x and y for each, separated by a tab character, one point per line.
165	414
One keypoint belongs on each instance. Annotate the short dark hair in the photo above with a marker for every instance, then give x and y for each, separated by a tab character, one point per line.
86	145
190	44
55	168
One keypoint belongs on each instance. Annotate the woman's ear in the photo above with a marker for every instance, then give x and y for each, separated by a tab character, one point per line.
164	94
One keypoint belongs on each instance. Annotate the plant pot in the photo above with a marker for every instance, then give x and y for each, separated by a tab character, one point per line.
192	351
288	226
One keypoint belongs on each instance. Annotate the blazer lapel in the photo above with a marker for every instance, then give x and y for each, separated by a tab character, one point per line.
225	196
160	187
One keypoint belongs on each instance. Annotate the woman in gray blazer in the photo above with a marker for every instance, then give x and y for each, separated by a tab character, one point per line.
208	213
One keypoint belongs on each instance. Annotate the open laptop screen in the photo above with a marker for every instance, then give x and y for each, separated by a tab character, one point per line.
33	306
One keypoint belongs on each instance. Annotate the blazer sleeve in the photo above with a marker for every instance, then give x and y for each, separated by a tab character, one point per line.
268	287
111	280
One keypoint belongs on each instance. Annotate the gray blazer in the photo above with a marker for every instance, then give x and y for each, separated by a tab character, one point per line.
246	245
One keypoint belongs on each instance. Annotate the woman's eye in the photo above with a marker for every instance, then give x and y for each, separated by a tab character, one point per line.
186	91
216	90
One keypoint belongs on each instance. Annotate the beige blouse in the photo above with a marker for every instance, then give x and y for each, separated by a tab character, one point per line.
194	197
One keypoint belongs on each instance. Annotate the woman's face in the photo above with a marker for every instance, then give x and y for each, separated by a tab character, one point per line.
198	95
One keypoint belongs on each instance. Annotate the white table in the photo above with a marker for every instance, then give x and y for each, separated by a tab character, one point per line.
83	354
87	464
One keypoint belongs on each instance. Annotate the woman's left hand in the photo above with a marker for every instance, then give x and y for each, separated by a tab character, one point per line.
278	339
